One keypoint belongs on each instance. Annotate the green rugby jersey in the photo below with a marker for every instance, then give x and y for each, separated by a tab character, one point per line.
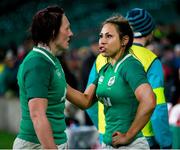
115	89
41	76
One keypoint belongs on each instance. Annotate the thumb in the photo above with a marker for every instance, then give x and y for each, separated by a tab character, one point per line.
115	134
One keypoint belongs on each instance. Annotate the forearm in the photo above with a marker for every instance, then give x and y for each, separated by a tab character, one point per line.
44	132
142	117
147	103
82	100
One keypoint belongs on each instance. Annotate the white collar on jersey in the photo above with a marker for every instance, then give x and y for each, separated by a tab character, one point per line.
117	66
42	52
44	47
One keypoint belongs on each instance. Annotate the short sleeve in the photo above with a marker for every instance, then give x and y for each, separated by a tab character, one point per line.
155	74
134	74
92	76
95	82
37	78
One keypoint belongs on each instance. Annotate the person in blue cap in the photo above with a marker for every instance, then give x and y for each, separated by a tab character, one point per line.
157	129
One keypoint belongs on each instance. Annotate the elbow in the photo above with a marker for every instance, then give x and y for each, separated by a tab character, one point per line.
84	107
35	116
87	103
152	104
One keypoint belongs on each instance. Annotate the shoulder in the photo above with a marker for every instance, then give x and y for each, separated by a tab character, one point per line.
131	61
144	55
35	58
131	66
103	68
128	64
100	62
140	50
157	62
36	61
155	74
156	67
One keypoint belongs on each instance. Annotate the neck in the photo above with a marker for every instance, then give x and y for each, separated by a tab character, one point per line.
117	56
48	48
141	40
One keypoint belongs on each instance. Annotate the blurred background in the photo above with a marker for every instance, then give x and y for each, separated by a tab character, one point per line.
85	17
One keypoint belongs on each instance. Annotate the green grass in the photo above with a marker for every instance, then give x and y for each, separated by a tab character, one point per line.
6	140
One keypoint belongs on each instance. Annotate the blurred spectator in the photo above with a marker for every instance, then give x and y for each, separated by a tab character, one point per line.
176	66
8	75
70	76
2	74
24	49
173	34
74	115
174	120
171	64
155	47
85	137
177	56
160	32
167	62
69	62
88	61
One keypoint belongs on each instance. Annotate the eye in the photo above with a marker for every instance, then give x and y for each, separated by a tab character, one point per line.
100	35
109	36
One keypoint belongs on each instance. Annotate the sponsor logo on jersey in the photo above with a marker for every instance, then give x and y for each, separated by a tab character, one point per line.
101	79
106	101
58	73
111	81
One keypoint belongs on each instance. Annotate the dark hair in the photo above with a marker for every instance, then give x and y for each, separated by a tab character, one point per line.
46	23
122	26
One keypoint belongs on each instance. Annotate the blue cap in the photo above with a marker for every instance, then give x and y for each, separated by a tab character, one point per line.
141	22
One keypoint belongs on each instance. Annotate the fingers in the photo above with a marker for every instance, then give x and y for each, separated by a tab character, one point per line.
118	139
115	137
114	134
115	142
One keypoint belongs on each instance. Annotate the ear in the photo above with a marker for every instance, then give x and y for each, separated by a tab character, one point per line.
125	40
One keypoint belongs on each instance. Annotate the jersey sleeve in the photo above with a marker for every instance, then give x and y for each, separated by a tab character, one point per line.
134	73
93	75
37	78
155	74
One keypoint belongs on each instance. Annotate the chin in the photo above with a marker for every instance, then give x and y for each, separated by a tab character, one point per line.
63	48
104	54
66	47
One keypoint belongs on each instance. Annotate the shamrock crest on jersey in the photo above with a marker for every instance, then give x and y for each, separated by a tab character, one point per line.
111	81
58	72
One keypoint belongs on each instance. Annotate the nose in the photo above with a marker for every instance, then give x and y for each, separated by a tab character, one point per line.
102	41
70	33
